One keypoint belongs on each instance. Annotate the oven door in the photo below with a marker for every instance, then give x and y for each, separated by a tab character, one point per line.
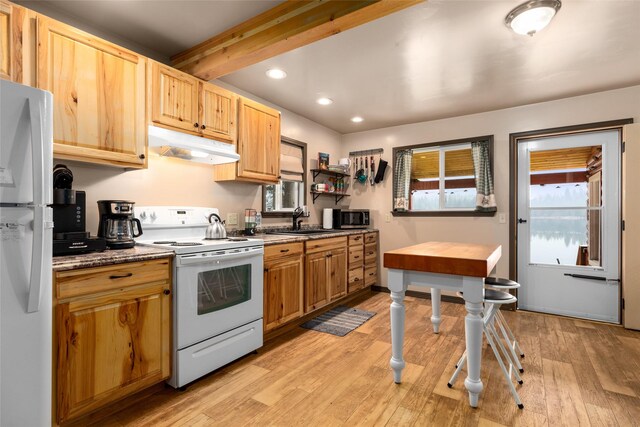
217	292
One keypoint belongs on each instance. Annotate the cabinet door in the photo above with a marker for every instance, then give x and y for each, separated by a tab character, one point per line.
316	281
5	40
258	142
99	96
109	346
174	98
283	289
337	285
218	113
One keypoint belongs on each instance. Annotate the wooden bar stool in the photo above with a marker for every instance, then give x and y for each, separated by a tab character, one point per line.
493	299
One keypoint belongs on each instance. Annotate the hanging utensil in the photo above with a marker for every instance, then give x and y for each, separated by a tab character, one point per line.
382	166
372	174
355	167
366	169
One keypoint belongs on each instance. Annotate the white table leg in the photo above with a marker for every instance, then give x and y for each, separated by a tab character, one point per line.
435	309
398	289
473	295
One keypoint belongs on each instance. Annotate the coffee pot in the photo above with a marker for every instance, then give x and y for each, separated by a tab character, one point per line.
117	224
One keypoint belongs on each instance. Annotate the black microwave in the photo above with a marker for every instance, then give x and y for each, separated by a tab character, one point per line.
351	218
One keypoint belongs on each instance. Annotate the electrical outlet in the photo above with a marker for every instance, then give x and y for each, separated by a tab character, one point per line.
502	218
232	218
387	217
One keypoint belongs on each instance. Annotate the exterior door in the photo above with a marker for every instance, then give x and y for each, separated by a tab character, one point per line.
569	225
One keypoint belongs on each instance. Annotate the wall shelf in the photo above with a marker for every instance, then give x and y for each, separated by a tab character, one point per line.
317	172
338	195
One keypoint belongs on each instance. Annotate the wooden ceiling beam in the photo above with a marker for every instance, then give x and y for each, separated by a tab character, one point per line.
288	26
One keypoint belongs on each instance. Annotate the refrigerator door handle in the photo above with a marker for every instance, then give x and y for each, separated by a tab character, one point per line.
37	151
37	258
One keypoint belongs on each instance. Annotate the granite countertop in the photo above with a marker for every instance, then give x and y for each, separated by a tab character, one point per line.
108	257
143	253
276	239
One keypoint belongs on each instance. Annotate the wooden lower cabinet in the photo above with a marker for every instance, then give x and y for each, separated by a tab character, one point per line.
283	285
112	343
326	272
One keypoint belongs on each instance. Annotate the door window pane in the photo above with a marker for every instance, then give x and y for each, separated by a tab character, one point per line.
222	288
557	235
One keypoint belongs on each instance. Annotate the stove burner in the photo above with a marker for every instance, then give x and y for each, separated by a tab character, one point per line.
165	242
186	244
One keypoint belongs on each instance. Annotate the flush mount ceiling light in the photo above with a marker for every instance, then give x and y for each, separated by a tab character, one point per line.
532	16
276	73
357	119
324	101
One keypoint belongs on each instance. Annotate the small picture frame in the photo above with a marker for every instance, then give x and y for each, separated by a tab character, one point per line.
323	161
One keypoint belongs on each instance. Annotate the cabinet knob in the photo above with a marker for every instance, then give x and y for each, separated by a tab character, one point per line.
166	292
357	279
142	156
120	276
284	251
195	125
203	127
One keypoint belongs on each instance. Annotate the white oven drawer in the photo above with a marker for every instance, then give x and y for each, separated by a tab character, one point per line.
193	362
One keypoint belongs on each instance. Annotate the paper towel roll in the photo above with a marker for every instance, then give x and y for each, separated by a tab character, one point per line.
327	218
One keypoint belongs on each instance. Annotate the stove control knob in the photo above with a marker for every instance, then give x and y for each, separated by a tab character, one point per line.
153	216
143	215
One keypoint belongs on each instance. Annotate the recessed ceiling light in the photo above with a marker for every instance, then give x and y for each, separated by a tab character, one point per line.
356	119
532	16
276	73
324	101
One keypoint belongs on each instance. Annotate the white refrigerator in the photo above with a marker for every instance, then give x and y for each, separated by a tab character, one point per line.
26	160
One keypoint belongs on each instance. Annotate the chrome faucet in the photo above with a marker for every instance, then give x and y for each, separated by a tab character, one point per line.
297	213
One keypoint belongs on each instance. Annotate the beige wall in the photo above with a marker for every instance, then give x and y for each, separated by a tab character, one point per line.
404	231
170	181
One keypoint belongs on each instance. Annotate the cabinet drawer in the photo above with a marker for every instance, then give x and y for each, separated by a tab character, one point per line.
370	253
356	239
87	281
370	275
279	251
321	245
356	275
356	257
370	238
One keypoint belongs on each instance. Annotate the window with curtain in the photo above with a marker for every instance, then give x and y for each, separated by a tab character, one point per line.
444	178
282	198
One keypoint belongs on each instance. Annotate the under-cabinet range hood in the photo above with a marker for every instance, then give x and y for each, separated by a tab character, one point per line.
191	147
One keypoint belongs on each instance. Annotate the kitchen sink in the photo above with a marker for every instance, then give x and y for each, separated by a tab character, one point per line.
301	232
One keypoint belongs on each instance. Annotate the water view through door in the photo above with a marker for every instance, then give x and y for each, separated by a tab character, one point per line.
569	225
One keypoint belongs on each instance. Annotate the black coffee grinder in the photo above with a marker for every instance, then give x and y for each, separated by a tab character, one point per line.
69	217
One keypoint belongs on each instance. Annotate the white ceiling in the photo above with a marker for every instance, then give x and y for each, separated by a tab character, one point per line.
166	27
439	59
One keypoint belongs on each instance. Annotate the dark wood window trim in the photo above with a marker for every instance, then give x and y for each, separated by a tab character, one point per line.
452	212
281	214
514	140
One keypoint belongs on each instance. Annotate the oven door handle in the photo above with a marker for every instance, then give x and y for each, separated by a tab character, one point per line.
186	260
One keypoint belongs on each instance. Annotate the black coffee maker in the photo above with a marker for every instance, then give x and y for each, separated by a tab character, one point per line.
117	224
69	217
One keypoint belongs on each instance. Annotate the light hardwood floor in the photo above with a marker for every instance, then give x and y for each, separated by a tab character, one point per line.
576	373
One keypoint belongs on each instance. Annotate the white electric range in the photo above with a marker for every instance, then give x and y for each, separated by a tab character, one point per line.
217	297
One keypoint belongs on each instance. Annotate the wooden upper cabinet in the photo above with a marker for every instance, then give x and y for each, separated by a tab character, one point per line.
17	43
185	103
258	142
5	40
218	112
99	96
175	98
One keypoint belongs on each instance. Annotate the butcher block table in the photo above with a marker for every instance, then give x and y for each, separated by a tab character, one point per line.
442	265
